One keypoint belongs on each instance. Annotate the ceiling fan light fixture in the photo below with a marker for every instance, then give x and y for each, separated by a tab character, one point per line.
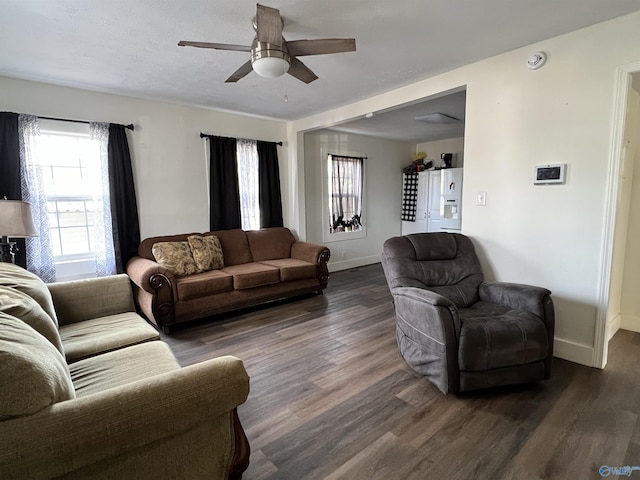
269	61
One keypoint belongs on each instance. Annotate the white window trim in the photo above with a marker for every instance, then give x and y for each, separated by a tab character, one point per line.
327	236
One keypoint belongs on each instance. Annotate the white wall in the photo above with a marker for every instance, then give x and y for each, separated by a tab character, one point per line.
551	236
383	181
168	155
630	292
450	145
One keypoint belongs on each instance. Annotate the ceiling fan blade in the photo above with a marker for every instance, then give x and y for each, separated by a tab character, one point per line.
269	25
243	71
322	46
217	46
301	71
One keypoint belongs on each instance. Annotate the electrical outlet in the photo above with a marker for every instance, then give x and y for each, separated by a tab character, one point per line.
481	199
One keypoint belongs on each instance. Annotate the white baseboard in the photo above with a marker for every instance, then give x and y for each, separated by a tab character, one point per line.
574	352
353	263
613	325
630	322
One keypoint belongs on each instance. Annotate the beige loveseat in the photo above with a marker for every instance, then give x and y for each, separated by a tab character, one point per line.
89	392
257	266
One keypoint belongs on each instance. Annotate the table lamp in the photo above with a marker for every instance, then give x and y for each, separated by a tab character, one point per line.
15	221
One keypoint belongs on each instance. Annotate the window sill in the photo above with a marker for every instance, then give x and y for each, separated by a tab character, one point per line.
344	236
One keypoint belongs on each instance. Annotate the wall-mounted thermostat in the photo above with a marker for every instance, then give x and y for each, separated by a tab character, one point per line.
549	174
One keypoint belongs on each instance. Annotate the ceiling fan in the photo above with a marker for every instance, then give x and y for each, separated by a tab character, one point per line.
273	56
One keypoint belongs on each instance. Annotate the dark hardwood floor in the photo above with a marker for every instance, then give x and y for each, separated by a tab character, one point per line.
331	398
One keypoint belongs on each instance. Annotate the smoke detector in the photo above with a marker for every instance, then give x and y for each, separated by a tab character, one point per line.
536	60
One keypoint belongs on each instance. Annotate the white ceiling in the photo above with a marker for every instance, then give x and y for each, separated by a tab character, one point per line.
130	47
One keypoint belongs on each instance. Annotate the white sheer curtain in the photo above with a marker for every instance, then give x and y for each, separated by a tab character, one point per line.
247	155
103	228
38	249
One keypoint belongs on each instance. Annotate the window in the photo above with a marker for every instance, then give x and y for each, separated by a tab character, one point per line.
71	181
345	187
70	168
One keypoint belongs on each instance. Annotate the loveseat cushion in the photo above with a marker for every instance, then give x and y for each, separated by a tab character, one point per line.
270	243
204	284
33	373
206	252
249	275
17	277
293	269
104	334
22	306
117	368
493	336
176	257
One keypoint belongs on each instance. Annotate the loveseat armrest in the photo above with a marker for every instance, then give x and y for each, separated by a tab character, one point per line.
180	421
156	290
79	300
517	296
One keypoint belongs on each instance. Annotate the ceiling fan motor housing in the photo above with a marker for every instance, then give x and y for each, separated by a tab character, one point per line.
269	60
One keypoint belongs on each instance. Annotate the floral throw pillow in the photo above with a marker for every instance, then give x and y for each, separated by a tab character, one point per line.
207	252
175	256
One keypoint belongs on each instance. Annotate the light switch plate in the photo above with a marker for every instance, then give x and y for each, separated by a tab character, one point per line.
481	199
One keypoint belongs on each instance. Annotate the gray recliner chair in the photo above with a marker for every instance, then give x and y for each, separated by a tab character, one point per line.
455	329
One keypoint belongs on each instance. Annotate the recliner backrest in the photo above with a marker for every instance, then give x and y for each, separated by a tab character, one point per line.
445	263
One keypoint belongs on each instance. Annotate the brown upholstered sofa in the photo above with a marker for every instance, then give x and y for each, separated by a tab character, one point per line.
89	391
259	266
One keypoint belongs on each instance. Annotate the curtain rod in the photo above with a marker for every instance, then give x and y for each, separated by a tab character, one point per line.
204	135
130	126
347	156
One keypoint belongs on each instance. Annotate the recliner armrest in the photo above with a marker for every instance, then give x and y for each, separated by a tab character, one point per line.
432	313
515	295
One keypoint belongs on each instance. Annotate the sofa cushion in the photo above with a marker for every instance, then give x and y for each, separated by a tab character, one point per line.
206	252
249	275
293	269
234	246
103	334
17	277
33	374
176	257
25	308
117	368
203	284
270	243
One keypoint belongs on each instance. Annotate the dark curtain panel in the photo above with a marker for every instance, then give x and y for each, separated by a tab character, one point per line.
269	185
10	170
124	208
224	199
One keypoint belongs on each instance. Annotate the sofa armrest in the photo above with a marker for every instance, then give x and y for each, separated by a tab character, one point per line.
79	300
157	289
310	252
135	426
316	254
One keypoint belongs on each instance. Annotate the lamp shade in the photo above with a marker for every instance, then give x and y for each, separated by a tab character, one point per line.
16	219
270	67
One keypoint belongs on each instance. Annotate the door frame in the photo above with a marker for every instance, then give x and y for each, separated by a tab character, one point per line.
621	92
